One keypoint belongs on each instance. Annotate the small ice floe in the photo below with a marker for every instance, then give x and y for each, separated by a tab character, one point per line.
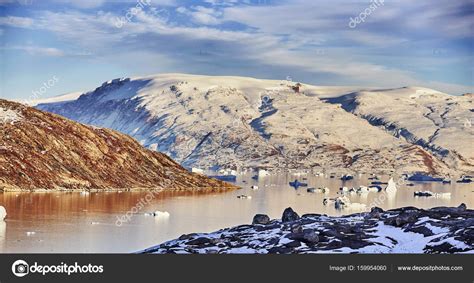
391	187
161	214
344	189
443	195
374	189
343	203
3	213
431	194
254	187
244	197
318	190
263	173
197	170
30	233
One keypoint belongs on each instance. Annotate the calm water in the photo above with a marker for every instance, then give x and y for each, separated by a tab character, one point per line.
73	222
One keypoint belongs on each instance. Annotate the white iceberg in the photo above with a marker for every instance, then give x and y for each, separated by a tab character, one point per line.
3	213
391	187
161	214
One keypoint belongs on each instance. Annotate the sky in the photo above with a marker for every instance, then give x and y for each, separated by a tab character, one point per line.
52	47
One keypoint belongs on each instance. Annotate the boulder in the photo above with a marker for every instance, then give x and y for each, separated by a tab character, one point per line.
405	218
201	241
289	215
308	236
462	207
262	219
375	212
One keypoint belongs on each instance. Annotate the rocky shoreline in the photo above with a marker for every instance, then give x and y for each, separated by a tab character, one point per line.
402	230
112	190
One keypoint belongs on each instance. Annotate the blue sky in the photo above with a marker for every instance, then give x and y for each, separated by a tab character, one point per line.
83	43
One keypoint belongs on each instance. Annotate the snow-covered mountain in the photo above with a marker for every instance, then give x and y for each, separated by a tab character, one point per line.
439	122
237	122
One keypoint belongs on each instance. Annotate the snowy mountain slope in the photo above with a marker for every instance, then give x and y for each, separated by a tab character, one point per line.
236	122
439	122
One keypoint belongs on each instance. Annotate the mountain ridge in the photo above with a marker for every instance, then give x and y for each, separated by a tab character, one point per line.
234	122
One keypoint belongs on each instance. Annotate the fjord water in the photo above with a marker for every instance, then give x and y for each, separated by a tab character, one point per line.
87	223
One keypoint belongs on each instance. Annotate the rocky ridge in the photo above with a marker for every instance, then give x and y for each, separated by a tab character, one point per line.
43	151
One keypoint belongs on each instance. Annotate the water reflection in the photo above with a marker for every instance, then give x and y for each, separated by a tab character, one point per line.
74	222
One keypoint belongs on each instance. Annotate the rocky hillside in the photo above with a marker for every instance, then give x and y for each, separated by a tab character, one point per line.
403	230
235	122
39	150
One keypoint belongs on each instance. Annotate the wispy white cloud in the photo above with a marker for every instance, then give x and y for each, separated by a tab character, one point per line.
19	22
298	36
45	51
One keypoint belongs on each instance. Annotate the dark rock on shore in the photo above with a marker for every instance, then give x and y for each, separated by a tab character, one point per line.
261	219
289	215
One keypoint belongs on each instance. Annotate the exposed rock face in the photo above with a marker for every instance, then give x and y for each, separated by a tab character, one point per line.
39	150
236	122
403	230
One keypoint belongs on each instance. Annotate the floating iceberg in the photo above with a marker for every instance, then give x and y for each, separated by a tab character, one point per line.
3	213
391	187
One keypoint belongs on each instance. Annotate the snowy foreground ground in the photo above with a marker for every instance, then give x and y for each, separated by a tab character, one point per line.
403	230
